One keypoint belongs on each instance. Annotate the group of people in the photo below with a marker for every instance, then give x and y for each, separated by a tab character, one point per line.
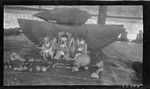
64	46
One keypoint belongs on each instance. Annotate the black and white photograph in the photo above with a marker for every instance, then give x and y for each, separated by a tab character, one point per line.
72	45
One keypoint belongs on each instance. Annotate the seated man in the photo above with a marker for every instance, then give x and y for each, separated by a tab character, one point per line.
48	47
82	59
62	47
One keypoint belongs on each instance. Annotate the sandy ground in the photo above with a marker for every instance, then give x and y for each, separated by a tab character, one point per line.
116	68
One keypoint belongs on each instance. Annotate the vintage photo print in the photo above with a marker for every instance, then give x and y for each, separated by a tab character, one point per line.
73	45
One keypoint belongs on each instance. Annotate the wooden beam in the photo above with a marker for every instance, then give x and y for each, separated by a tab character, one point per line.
119	17
102	13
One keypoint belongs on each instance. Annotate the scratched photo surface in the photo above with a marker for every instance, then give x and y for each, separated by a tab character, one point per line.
73	45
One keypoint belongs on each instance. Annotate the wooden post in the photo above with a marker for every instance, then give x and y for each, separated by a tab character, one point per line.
40	7
102	14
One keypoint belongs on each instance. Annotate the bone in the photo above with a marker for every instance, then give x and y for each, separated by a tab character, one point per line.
44	69
96	73
30	70
75	69
38	68
31	60
15	56
86	68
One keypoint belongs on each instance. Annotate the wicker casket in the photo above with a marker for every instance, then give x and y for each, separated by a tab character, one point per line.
96	36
